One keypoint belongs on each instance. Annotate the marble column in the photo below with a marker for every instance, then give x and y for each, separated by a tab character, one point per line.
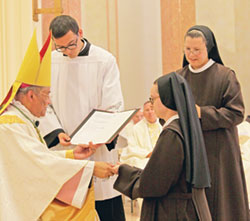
176	17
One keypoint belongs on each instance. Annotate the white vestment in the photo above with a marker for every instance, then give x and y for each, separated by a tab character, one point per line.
31	174
244	139
126	132
78	86
139	144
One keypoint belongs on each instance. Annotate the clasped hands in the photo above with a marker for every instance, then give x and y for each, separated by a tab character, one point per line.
101	169
105	170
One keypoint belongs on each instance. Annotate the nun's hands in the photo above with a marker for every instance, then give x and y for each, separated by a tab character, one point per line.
115	168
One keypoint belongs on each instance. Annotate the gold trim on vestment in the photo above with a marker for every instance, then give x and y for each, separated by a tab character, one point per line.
10	119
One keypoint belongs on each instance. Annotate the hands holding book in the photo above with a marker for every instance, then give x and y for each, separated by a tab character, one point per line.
64	139
82	151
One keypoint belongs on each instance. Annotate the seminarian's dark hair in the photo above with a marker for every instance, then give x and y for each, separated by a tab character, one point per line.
62	24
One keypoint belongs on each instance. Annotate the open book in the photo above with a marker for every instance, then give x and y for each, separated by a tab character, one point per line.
101	126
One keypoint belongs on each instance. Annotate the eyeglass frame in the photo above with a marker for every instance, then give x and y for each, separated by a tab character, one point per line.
43	94
193	51
152	100
63	48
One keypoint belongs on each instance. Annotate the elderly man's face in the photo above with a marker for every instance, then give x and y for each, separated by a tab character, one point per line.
137	117
148	113
40	102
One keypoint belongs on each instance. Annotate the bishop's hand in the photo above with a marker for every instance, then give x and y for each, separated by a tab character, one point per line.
82	151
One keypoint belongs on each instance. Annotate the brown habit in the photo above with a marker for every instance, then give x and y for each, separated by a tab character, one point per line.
162	184
217	91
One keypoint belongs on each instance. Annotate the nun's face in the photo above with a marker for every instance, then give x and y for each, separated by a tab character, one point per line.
159	108
196	52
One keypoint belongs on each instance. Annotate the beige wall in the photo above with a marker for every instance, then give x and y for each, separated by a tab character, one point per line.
137	36
229	21
16	27
95	22
69	7
176	18
131	30
140	48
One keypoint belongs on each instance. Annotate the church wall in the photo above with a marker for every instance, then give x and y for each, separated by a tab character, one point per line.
135	32
131	31
16	28
229	21
176	18
140	48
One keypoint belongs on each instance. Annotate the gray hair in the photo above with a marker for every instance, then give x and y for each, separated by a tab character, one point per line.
196	34
25	90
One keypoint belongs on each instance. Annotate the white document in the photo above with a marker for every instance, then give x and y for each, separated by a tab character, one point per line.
101	126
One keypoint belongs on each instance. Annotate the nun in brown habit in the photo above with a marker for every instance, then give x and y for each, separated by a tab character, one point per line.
173	182
217	93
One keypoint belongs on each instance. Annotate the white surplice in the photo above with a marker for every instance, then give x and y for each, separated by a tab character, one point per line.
78	86
31	174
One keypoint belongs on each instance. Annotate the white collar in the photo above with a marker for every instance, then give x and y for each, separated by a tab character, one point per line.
203	68
28	115
147	122
19	105
176	116
84	45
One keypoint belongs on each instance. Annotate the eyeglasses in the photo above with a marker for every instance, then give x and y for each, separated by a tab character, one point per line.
45	95
152	100
194	51
69	47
